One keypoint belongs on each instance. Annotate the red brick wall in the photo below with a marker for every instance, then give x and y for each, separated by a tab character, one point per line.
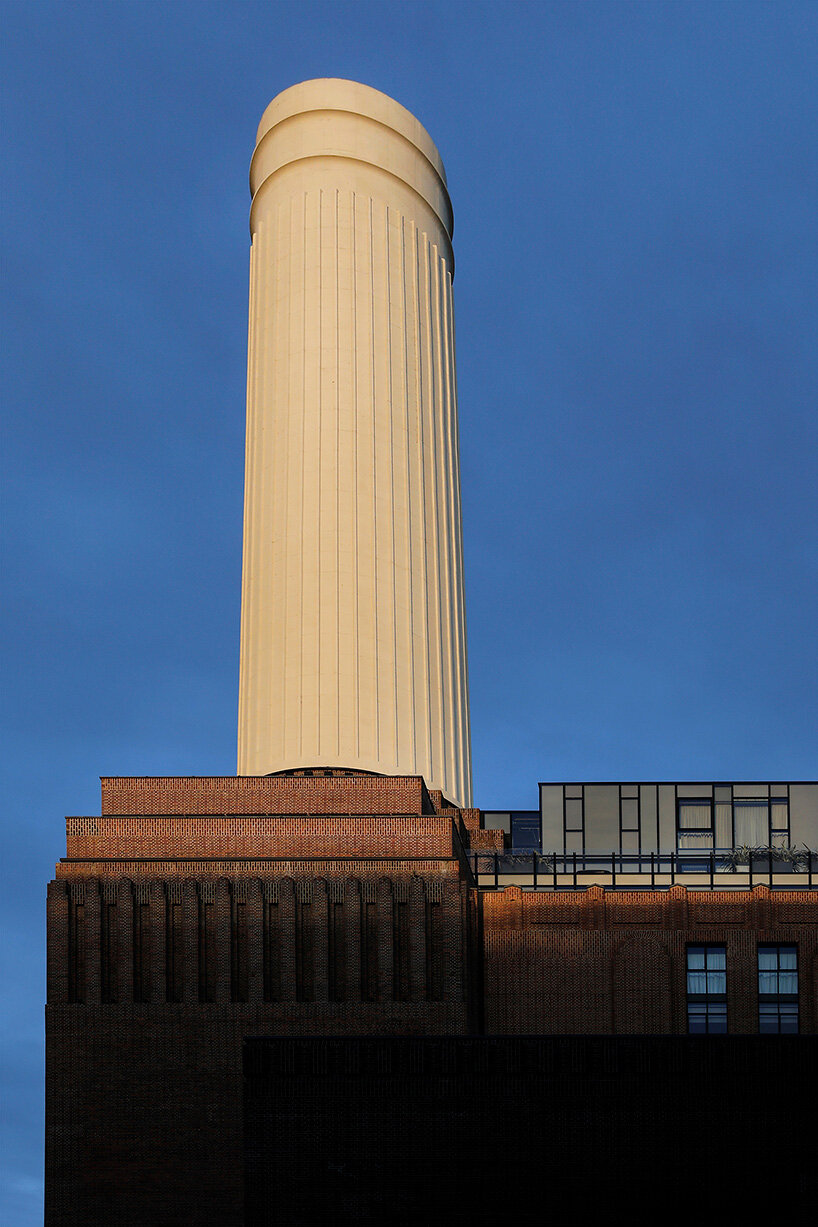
268	794
297	835
116	940
614	962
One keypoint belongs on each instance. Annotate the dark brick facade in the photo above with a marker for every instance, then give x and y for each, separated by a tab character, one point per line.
195	915
506	1130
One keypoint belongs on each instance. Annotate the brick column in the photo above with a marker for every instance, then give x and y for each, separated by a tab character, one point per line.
190	930
386	950
287	939
124	947
255	941
452	942
158	942
320	940
675	904
464	952
352	940
417	940
593	905
223	926
761	909
742	980
93	943
57	943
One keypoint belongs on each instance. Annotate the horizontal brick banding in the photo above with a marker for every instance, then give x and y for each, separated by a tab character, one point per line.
596	908
367	867
299	835
354	794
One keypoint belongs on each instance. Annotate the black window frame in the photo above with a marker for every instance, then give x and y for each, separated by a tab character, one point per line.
710	1006
776	1000
695	859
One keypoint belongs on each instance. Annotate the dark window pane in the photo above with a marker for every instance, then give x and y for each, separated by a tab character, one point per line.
768	1018
789	1020
696	1021
717	1024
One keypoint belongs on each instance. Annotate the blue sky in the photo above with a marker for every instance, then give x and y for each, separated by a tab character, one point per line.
635	200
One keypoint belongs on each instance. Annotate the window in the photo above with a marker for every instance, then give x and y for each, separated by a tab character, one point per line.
751	823
525	832
760	823
694	823
778	990
694	833
706	990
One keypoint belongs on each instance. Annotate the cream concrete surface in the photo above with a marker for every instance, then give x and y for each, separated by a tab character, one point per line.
353	643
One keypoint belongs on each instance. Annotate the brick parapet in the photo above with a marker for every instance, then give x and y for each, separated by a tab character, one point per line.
238	836
303	794
482	840
674	908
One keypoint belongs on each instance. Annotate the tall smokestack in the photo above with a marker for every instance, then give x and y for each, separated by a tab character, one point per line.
353	638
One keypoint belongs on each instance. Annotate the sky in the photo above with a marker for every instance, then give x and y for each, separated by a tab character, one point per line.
634	188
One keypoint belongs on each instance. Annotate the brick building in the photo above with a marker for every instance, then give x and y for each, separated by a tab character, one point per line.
196	915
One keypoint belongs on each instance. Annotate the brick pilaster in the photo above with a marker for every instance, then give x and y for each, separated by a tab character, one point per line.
124	921
57	942
320	940
93	943
386	951
352	939
255	941
224	926
190	928
417	940
287	936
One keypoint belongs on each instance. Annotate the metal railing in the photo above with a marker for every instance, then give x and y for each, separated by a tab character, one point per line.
719	869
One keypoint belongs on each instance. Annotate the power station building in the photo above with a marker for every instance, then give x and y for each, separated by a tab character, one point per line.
329	989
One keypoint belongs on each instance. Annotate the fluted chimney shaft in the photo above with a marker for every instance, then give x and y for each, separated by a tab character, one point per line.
353	639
